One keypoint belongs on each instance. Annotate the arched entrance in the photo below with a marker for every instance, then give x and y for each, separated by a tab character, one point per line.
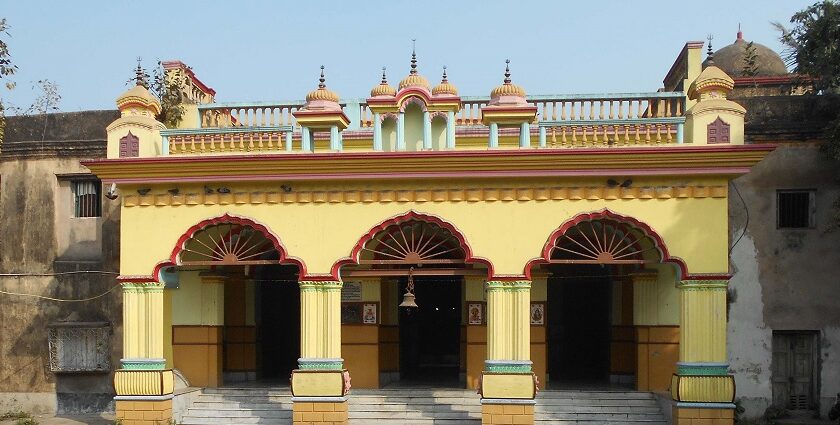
236	305
590	267
423	344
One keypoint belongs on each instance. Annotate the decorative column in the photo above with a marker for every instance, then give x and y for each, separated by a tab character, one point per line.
401	131
289	135
525	135
427	131
450	130
542	137
377	132
305	139
335	139
493	142
320	384
143	386
508	385
703	389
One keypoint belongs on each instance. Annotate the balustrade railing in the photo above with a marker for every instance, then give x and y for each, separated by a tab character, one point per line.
225	115
562	120
227	140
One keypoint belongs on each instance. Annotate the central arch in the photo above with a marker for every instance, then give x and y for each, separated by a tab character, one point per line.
420	345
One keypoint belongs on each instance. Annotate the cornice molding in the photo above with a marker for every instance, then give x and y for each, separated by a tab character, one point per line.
729	160
426	195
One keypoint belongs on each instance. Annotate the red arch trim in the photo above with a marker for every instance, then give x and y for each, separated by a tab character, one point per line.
411	215
659	243
283	257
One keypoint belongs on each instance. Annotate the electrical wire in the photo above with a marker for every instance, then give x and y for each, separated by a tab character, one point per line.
58	273
59	299
746	211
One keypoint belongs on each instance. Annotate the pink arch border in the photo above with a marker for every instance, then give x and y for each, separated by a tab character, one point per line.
353	258
225	218
659	243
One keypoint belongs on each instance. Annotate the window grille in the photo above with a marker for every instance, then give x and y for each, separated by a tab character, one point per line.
80	347
87	199
795	209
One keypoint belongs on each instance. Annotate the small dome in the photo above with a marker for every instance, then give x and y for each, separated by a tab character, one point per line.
508	88
731	59
383	89
710	79
322	93
445	87
139	96
414	79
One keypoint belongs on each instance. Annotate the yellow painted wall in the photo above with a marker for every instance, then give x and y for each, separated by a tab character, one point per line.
320	233
185	308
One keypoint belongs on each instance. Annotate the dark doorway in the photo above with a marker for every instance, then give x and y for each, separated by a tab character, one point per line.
578	319
430	335
795	376
277	308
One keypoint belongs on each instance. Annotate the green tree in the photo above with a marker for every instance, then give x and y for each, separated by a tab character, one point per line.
7	68
750	61
814	44
168	88
813	48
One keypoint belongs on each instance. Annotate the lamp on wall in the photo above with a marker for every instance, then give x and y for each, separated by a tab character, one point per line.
408	298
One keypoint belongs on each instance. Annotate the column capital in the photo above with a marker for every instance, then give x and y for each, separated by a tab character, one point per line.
142	287
508	285
703	285
321	285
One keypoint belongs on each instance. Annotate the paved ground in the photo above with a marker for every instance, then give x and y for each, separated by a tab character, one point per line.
104	419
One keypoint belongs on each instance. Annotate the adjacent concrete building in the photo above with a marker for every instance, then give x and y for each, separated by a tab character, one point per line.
57	356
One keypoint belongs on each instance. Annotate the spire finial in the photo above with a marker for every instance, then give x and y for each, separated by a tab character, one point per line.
321	80
740	34
413	56
384	80
710	59
140	74
507	71
444	80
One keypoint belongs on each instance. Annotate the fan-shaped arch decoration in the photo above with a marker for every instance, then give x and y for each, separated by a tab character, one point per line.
228	244
603	241
413	242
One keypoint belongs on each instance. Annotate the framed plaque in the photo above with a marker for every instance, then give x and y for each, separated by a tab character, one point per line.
537	314
475	313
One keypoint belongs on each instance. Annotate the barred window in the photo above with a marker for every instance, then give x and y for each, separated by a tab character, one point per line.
80	347
87	198
795	209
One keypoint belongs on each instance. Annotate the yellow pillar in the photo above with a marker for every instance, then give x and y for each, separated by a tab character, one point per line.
703	388
320	384
508	387
143	386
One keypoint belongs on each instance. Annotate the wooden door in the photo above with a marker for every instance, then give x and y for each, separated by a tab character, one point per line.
794	370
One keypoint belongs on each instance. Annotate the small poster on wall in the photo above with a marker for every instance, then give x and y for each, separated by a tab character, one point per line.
351	291
475	313
369	315
538	314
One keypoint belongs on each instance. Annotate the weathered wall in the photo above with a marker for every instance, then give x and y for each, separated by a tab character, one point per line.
41	236
783	279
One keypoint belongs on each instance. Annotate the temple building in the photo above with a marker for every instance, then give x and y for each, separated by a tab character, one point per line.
508	243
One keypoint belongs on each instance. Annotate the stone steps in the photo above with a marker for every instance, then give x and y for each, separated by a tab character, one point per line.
424	406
